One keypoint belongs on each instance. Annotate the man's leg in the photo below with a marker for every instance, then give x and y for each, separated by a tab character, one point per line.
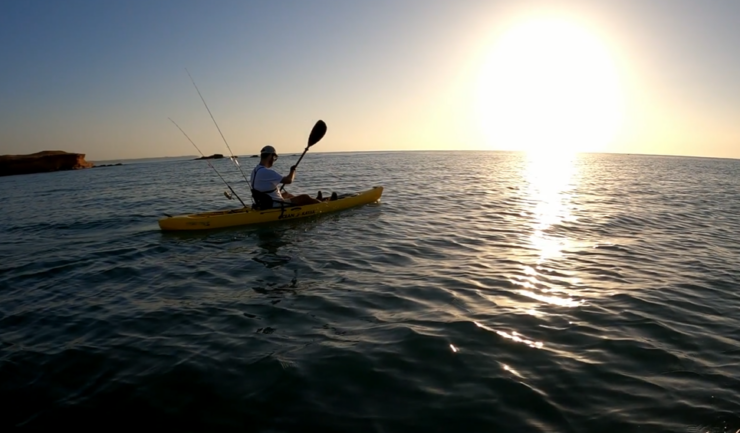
303	199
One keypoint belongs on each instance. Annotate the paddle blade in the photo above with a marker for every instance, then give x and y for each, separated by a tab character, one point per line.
317	133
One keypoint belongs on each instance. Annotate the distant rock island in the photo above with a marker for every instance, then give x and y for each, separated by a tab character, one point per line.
214	156
42	162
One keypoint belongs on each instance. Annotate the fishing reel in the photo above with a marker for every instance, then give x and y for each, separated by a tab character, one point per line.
227	195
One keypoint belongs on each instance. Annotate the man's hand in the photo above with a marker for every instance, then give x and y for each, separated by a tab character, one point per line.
289	178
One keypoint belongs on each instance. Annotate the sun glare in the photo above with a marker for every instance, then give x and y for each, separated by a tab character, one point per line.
549	86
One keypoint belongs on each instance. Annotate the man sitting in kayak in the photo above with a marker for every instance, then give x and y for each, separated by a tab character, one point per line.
265	182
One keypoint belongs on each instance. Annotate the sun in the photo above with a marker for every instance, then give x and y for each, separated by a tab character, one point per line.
549	86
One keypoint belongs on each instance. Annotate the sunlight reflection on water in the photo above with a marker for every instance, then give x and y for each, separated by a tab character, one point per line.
513	336
550	188
551	181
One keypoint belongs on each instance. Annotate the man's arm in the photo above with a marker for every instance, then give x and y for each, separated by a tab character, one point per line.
290	177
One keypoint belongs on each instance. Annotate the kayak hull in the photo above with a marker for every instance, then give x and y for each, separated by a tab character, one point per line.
248	216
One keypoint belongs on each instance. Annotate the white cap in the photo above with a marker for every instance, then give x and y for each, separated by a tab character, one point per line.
268	149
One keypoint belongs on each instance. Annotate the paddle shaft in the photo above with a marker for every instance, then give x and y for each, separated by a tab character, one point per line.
282	187
317	133
302	155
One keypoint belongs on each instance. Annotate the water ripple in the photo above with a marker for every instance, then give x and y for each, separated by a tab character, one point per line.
583	294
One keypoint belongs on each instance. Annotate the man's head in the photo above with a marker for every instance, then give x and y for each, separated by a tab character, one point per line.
268	155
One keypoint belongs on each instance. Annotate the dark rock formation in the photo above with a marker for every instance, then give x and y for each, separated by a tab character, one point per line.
107	165
42	162
214	156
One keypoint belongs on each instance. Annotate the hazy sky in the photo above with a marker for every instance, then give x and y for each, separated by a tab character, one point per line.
102	77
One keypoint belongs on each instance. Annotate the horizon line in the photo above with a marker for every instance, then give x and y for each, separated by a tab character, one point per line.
250	156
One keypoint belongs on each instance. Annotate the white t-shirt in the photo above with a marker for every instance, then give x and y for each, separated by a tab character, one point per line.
266	179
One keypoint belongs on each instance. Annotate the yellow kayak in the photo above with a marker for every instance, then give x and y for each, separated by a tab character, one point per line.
247	216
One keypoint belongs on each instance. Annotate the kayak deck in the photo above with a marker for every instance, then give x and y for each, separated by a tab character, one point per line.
247	216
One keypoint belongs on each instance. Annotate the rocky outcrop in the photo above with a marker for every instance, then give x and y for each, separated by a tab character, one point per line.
214	156
42	162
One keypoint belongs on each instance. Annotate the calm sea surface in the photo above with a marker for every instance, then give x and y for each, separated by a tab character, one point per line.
487	292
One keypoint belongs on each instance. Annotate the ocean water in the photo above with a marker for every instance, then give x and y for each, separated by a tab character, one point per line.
486	292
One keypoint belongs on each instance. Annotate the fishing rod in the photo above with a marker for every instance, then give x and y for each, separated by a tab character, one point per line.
233	158
210	165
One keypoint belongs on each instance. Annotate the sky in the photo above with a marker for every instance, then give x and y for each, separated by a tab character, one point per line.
625	76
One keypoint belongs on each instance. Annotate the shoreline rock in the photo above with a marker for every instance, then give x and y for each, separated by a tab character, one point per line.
42	162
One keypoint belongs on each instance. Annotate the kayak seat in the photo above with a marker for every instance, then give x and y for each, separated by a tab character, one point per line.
263	201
